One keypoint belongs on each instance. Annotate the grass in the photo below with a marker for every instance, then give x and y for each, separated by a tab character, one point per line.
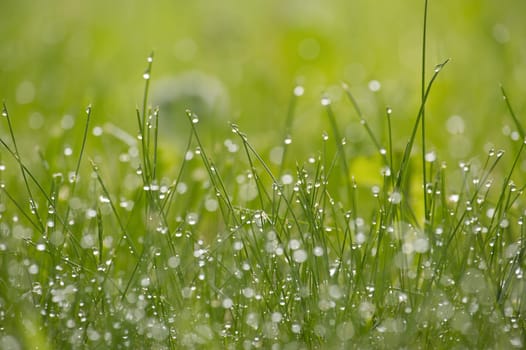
104	244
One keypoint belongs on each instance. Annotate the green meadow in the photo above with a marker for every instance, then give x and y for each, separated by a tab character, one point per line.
274	175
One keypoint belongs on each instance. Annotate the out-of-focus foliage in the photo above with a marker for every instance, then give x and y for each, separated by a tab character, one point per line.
58	56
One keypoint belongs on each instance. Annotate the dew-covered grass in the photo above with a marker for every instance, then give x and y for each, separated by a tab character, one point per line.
237	249
117	240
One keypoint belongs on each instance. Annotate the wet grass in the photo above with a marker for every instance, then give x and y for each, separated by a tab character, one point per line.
112	241
234	250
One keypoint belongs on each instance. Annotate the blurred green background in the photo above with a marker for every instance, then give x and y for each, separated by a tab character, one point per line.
242	59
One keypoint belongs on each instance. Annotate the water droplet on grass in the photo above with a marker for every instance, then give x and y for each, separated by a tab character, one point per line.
146	75
360	238
252	320
174	261
335	292
181	188
211	204
431	157
317	251
287	179
299	91
276	317
295	328
455	125
395	197
238	245
345	331
515	135
67	122
227	303
294	244
374	85
192	218
97	131
300	256
231	146
248	292
421	245
145	282
325	101
453	198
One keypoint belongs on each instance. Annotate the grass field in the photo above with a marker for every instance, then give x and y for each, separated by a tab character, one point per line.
280	175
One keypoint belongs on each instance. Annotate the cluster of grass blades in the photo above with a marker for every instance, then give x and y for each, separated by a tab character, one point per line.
233	251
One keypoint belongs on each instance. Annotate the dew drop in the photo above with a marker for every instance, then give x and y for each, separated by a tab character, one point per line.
287	179
335	292
68	151
299	91
211	204
294	244
300	256
97	131
41	247
276	317
395	197
455	125
145	282
374	85
325	101
317	251
431	157
181	188
192	218
174	261
296	328
345	331
227	303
